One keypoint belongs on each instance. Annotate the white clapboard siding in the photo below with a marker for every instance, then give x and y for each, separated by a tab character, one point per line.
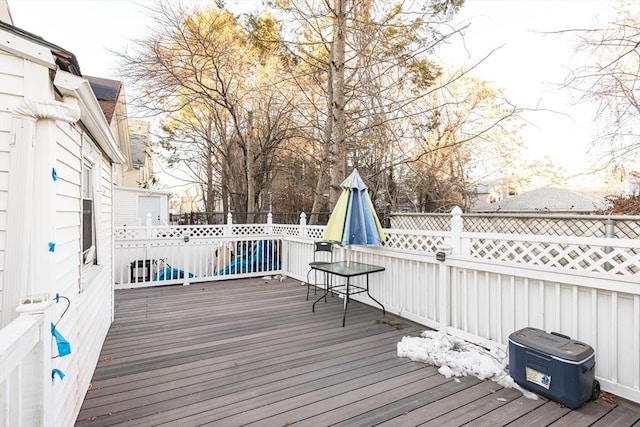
68	205
25	76
11	95
125	208
85	326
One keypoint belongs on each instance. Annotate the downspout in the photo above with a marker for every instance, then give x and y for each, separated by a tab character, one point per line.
31	208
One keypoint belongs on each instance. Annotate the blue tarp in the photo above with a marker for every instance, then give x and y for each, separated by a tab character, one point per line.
170	273
261	256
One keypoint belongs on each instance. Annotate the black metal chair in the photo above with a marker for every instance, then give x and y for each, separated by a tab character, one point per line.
322	254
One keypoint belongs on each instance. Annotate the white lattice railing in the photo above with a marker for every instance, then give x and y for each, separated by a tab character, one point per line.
612	256
416	240
600	255
169	261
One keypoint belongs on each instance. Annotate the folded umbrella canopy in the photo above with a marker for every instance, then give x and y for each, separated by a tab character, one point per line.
353	220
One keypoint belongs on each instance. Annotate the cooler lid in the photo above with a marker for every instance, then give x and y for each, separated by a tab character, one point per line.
553	345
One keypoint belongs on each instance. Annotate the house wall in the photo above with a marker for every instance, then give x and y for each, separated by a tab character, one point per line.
139	175
126	212
25	80
126	206
11	95
120	129
90	291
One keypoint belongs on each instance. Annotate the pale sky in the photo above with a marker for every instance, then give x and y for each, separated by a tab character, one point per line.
527	66
530	66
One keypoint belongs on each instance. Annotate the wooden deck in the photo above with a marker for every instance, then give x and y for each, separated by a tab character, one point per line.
251	352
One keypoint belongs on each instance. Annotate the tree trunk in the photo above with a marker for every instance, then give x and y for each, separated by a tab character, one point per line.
338	107
210	195
251	199
322	182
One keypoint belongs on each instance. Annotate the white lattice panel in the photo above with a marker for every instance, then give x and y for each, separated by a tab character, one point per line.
248	230
286	230
548	224
189	230
574	256
207	230
169	232
413	242
315	231
128	233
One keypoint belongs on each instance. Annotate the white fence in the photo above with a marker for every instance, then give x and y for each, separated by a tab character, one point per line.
489	285
38	385
22	352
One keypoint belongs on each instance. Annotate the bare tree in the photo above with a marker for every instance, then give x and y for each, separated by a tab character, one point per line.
217	90
353	85
373	59
611	79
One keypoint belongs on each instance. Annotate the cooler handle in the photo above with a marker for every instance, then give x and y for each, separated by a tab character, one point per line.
561	335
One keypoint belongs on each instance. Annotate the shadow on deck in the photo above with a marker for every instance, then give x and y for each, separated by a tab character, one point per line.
251	352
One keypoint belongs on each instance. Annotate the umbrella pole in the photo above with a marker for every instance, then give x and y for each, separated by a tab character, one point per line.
348	255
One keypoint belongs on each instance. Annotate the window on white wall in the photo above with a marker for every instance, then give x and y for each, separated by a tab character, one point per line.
88	215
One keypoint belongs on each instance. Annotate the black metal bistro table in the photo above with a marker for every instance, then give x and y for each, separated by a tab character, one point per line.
348	270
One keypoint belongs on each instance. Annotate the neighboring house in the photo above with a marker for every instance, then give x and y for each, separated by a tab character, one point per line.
131	203
134	200
543	200
495	191
111	97
57	157
141	174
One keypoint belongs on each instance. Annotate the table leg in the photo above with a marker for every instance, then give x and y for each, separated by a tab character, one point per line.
326	291
378	302
344	306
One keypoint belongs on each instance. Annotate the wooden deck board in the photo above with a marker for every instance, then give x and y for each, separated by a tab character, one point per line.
468	413
251	352
620	416
507	413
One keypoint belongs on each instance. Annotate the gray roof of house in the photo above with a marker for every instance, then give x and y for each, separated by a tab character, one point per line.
548	199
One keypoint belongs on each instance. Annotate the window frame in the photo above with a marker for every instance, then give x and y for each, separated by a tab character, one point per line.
89	191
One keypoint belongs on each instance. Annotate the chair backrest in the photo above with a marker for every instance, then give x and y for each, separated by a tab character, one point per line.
323	246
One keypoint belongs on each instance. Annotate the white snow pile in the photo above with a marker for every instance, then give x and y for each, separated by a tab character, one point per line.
459	358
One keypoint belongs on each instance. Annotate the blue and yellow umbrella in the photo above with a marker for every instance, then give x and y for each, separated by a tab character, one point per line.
353	220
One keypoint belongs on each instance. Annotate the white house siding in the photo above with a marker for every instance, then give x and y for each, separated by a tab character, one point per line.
125	207
86	322
11	95
68	208
85	325
105	225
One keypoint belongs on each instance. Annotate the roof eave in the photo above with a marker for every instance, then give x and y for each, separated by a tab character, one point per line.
91	113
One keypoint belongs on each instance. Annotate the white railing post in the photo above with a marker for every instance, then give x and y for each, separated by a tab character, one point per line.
148	223
303	224
229	228
455	240
38	366
185	253
269	227
444	287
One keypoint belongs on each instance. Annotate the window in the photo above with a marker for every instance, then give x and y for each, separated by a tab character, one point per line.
88	216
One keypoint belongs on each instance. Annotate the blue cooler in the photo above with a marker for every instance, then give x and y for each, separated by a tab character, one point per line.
554	366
